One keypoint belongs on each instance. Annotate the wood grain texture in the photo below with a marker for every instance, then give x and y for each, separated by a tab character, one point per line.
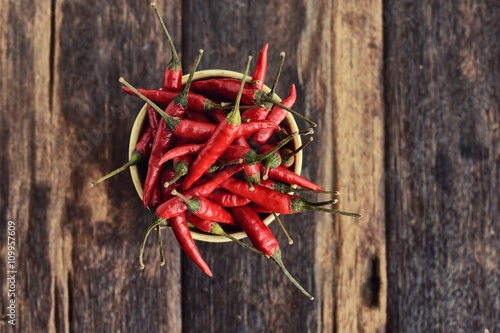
361	281
443	163
29	195
250	289
421	97
97	45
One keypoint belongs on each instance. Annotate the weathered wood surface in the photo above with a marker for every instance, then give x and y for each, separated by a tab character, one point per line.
408	132
442	132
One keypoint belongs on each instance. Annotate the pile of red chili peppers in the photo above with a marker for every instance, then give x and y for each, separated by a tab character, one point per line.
218	158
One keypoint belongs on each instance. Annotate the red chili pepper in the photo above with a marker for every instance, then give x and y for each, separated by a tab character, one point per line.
166	176
276	115
263	239
262	112
141	152
285	188
287	176
163	139
251	96
196	102
223	135
188	149
186	242
206	209
250	157
172	78
227	199
276	201
175	206
217	115
259	72
156	196
153	119
214	228
197	116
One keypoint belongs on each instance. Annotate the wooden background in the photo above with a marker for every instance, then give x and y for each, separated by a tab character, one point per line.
406	94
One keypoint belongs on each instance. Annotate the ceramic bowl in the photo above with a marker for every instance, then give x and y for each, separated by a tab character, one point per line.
141	121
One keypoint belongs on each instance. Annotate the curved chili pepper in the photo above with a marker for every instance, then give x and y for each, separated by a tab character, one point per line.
164	138
175	205
223	135
206	209
287	176
276	201
197	103
183	235
188	149
172	77
251	96
153	119
227	199
259	72
141	152
263	239
262	112
276	115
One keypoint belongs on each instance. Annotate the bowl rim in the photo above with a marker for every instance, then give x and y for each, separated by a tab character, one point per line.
139	124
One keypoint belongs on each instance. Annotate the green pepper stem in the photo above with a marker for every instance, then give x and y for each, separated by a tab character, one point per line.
171	121
261	97
156	222
136	158
193	205
248	180
182	98
285	156
217	230
277	259
160	244
252	158
277	218
277	78
175	63
234	117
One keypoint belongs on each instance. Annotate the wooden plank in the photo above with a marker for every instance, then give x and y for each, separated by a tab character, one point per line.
443	166
358	118
262	299
247	288
101	227
28	193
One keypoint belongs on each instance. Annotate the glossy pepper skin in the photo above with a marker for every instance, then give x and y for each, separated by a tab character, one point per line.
257	231
276	115
227	199
183	235
174	206
197	103
259	72
221	138
164	139
225	132
287	176
262	196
